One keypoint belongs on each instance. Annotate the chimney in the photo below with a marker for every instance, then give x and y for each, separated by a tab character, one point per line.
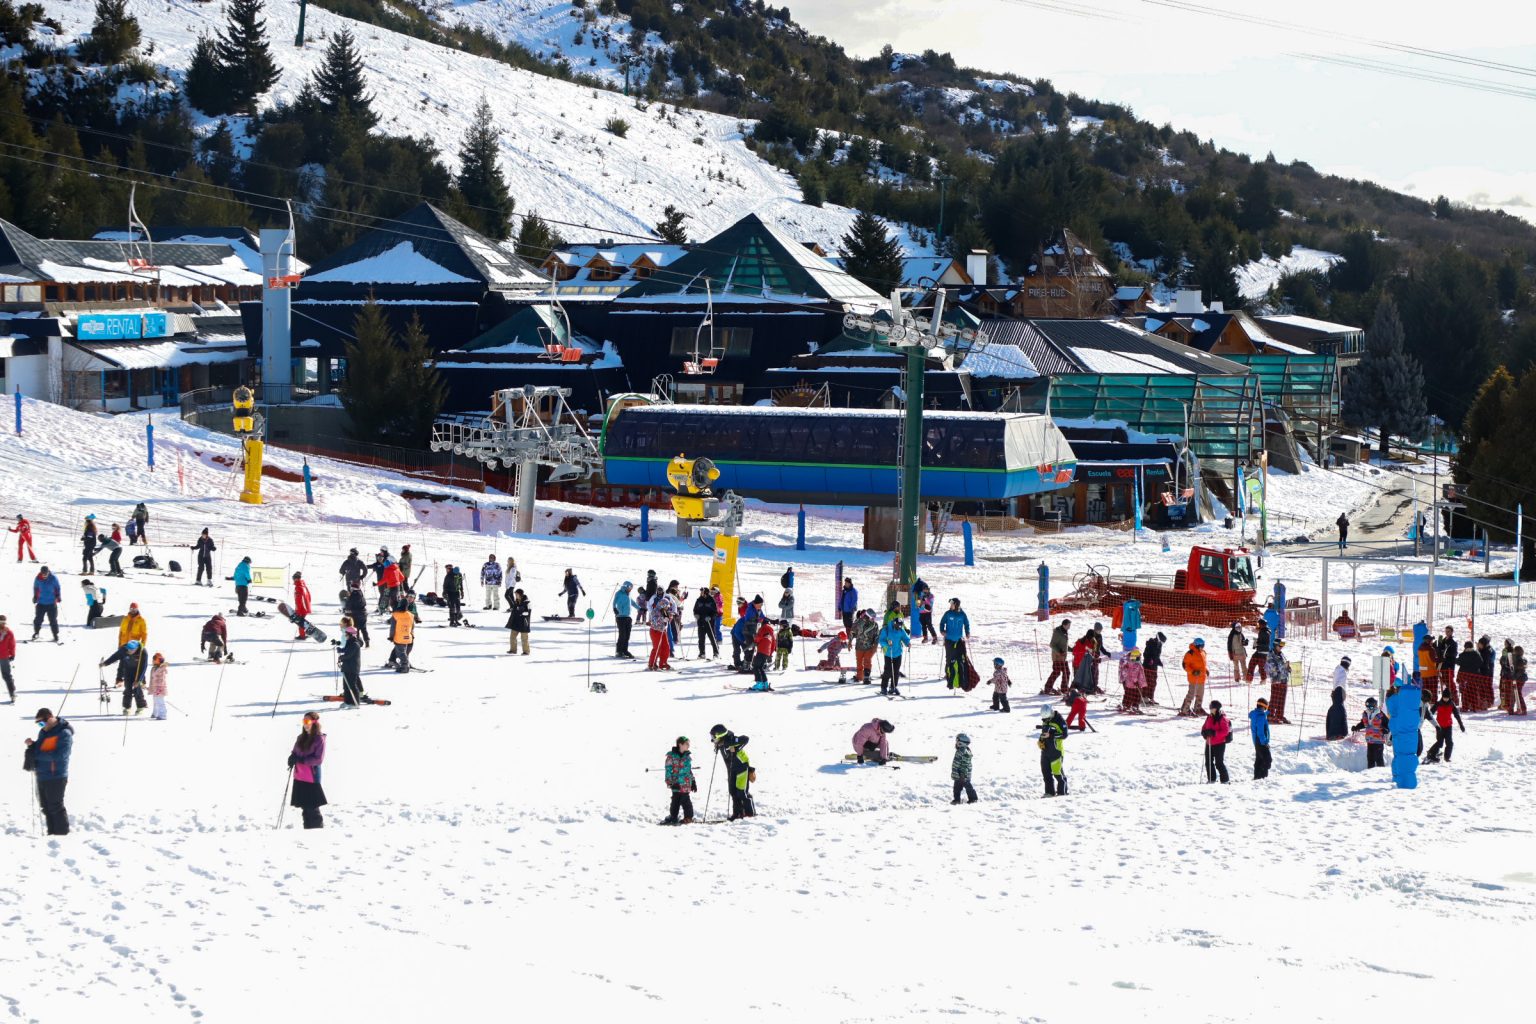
1218	307
1187	301
276	322
976	267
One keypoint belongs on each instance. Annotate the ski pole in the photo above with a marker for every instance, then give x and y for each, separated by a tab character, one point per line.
714	762
70	689
281	683
284	805
217	687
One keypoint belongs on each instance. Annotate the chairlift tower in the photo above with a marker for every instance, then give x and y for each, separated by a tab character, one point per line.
528	427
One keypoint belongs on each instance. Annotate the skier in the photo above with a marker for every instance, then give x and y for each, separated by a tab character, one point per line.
765	641
352	570
1078	709
571	588
304	762
48	759
848	604
678	775
45	595
1237	650
215	638
519	619
1000	684
349	660
870	743
490	579
1061	647
1343	524
740	775
453	593
157	688
1151	664
242	578
1052	744
302	605
1132	678
955	626
132	664
1444	712
88	546
624	619
7	655
893	638
1337	727
404	565
391	582
141	521
833	649
706	616
1217	732
1258	725
355	607
114	549
1279	683
1195	673
784	645
95	600
402	634
23	532
1259	660
1375	725
866	641
960	770
203	549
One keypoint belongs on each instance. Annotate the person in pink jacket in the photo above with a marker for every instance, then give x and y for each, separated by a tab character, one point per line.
157	688
1217	732
1133	678
305	760
870	741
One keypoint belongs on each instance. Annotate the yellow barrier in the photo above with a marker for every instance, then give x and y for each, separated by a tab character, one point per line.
723	575
251	495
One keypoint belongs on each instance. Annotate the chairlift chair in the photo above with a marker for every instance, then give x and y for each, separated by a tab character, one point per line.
706	355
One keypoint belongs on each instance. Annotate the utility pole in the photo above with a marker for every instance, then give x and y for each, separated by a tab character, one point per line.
945	180
1434	497
298	40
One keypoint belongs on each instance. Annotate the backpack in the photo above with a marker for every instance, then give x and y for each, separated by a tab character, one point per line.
145	562
784	580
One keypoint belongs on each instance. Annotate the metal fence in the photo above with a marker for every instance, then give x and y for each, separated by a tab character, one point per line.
1394	616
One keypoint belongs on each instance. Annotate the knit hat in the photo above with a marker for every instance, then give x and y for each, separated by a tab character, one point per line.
962	740
1344	661
1261	702
681	740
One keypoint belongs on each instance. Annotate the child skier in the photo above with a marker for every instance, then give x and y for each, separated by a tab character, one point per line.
678	776
1443	713
1132	677
784	643
1375	723
1053	737
1000	684
833	649
157	688
1079	710
765	643
960	770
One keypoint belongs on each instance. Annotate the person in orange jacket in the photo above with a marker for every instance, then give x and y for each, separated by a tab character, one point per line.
1195	671
133	627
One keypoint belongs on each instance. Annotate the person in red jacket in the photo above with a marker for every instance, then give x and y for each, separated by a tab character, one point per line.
23	532
7	654
391	583
1445	712
765	641
302	605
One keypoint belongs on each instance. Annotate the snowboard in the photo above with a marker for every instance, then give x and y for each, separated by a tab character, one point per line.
309	630
106	621
561	618
337	698
248	614
903	758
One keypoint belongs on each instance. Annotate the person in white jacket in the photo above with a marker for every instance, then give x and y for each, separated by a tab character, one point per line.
490	578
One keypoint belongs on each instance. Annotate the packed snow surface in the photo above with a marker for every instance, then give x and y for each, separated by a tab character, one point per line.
1256	277
491	838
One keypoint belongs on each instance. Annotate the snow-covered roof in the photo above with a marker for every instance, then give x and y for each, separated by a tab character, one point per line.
1308	323
425	246
399	264
177	264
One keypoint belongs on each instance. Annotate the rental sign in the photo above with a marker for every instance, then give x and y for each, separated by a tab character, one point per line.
122	326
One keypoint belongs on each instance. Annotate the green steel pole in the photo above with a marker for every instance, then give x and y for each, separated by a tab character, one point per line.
912	467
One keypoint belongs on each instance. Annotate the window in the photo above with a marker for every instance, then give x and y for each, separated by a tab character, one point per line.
1242	574
1213	570
737	341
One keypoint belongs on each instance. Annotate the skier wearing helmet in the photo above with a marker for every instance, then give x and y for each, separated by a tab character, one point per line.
1374	722
1052	743
132	665
1195	673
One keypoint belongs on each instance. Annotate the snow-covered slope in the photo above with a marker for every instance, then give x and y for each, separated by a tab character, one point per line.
1257	277
558	158
490	840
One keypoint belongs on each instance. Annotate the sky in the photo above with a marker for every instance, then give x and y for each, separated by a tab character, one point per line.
1249	87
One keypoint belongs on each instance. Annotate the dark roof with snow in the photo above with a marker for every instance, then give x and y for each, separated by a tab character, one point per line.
1042	347
24	255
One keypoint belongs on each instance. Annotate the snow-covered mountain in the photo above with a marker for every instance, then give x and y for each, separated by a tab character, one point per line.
560	159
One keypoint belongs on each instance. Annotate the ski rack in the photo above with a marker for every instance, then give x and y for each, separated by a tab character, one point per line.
557	438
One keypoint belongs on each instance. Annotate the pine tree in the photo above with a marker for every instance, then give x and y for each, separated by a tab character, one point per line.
536	239
1387	389
1484	420
870	255
340	80
374	365
480	180
671	229
72	202
205	83
421	384
1258	201
1504	466
114	33
244	55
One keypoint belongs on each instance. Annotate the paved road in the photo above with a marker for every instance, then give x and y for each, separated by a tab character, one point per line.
1381	530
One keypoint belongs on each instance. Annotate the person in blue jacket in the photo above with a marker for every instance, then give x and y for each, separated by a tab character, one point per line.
623	618
1258	725
242	584
955	627
893	639
48	758
1403	723
848	605
45	595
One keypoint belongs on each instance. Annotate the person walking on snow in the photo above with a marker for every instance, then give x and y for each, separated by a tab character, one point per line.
302	605
1443	713
1343	524
45	596
1279	683
787	606
1052	743
490	579
453	593
23	532
157	687
706	616
955	626
88	546
132	666
1151	664
1195	673
1132	679
141	523
1375	725
870	743
960	770
848	604
519	619
678	775
1258	725
659	613
624	620
571	587
1217	732
203	550
1061	649
894	638
355	607
1000	684
304	761
1237	651
242	578
352	570
49	760
1260	659
7	655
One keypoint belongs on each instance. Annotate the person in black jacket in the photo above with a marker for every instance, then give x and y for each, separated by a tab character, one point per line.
132	664
353	569
519	614
350	661
453	593
355	607
204	549
1151	665
705	613
571	587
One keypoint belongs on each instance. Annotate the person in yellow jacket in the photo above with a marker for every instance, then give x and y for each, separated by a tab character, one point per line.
1195	672
133	627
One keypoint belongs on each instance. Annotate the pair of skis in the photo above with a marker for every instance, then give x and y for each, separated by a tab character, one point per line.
902	758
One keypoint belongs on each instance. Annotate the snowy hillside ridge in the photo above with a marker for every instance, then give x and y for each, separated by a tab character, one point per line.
1256	278
558	159
587	40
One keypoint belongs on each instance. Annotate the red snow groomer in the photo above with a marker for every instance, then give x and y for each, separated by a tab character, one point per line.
1215	588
